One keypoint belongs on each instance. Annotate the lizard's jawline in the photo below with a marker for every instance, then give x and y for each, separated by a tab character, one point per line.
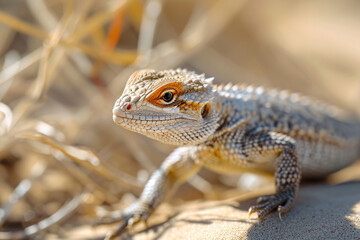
118	119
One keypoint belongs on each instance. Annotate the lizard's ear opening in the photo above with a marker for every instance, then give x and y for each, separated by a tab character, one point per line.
205	110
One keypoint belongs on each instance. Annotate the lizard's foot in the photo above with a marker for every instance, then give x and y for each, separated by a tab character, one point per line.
133	214
283	201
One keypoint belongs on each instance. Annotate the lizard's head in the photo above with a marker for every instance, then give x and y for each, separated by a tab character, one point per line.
173	106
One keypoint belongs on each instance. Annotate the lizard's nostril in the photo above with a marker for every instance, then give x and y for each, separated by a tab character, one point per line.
127	106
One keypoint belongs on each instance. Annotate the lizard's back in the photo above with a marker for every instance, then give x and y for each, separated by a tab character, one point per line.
326	140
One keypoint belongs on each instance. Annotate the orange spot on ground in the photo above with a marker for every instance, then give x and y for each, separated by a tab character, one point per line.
112	39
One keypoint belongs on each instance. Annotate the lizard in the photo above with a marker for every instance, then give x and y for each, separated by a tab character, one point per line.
232	129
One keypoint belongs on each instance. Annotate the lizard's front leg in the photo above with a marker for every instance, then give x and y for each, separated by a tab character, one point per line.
177	168
287	174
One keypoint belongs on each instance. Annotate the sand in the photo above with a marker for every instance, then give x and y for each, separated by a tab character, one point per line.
321	212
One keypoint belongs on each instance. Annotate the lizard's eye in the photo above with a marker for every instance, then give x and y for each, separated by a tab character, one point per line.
168	96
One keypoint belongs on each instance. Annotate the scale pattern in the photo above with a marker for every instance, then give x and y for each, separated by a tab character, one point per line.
233	128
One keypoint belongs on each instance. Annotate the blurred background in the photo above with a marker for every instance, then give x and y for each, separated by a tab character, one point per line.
64	163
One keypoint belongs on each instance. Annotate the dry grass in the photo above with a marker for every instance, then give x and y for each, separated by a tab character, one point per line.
63	161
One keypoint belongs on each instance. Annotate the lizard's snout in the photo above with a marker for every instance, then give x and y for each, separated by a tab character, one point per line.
123	105
118	114
121	108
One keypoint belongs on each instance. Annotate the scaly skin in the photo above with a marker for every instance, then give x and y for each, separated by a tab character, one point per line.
232	129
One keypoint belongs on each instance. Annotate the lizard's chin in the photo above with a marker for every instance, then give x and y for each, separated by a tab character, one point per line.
175	128
164	130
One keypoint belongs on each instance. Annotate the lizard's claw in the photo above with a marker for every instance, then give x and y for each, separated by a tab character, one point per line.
118	231
283	201
133	214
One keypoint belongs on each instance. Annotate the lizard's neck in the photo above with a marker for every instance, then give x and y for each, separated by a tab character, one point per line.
232	112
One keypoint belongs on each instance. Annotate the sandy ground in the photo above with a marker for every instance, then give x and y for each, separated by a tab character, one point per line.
322	211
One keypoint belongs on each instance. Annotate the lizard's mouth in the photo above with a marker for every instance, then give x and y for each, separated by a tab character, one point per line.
120	117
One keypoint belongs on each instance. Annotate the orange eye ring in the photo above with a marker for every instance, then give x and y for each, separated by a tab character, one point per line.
166	95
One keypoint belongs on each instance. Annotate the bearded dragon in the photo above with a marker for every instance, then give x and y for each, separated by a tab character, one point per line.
231	129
